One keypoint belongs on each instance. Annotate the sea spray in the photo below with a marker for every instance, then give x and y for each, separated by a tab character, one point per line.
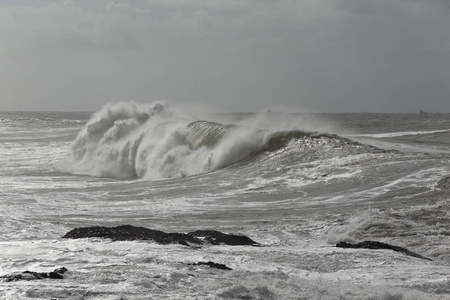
108	144
150	141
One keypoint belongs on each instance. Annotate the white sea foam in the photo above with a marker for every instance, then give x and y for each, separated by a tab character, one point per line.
398	134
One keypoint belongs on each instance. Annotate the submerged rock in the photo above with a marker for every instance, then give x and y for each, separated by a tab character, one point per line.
380	245
212	265
29	275
444	183
131	233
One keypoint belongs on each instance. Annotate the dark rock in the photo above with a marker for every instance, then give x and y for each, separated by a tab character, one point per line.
216	238
212	265
131	233
29	275
380	245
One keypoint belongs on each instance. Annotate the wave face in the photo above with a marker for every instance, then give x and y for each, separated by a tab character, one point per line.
150	141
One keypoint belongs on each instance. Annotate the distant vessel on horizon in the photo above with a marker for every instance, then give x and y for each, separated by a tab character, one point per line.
423	112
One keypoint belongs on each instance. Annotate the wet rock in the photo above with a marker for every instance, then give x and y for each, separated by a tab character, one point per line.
212	265
131	233
216	238
380	245
29	275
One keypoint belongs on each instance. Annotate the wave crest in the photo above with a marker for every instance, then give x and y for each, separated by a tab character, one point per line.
150	141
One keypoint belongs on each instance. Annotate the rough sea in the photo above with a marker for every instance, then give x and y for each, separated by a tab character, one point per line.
296	183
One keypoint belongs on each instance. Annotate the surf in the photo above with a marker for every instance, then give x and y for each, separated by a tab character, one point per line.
153	141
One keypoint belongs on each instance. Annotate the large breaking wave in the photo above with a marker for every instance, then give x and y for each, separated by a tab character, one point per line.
150	141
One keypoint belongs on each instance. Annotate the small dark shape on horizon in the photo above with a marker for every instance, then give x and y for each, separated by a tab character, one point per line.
29	275
380	245
132	233
211	265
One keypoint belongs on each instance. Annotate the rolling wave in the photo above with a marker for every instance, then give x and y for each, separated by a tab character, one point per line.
400	134
150	141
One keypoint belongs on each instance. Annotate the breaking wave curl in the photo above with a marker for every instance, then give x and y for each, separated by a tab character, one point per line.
150	141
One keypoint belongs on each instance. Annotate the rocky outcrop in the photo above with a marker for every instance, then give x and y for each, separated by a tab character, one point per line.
214	237
131	233
29	275
380	245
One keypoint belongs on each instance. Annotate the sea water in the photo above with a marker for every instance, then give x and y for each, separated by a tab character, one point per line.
295	183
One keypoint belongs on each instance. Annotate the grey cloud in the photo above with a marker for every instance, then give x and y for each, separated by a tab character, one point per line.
323	55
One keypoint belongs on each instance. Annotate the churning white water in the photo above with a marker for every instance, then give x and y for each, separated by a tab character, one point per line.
295	183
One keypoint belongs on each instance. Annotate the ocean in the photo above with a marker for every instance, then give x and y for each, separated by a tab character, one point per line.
296	183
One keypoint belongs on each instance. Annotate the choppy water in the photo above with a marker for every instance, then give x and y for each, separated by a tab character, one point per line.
296	183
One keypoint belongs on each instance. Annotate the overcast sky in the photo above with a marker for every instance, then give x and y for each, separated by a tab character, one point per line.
228	55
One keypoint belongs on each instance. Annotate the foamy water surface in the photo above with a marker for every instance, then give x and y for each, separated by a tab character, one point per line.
296	192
